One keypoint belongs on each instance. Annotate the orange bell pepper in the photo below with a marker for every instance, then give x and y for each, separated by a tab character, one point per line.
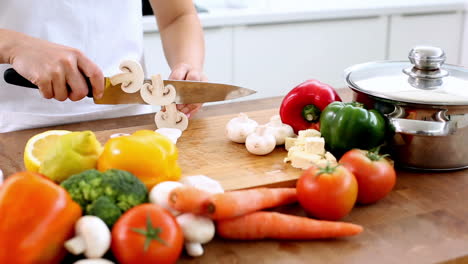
148	155
36	218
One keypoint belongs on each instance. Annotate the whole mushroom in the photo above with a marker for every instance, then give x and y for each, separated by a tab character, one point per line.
197	230
92	237
131	78
238	128
93	261
279	130
171	118
261	142
156	93
159	195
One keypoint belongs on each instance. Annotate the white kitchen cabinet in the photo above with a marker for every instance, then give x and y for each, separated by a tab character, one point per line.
218	58
273	58
442	29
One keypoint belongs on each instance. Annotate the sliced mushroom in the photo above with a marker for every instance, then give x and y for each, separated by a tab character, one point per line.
131	78
156	93
172	133
171	118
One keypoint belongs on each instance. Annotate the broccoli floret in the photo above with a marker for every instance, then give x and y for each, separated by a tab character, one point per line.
104	193
106	209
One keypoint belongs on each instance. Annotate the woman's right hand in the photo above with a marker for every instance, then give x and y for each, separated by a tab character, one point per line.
52	66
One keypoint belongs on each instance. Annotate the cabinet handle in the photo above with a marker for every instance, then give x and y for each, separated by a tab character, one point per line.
452	12
310	20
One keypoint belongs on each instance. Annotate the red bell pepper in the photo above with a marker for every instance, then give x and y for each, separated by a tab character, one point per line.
302	106
36	217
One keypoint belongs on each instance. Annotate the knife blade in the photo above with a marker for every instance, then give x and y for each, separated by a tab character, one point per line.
188	92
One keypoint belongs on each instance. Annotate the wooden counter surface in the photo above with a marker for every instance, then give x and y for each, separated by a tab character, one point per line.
423	220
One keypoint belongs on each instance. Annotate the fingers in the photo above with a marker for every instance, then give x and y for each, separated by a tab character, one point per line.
79	88
179	72
45	88
189	109
59	85
93	72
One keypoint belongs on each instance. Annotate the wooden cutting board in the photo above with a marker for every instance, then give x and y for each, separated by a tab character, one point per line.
205	149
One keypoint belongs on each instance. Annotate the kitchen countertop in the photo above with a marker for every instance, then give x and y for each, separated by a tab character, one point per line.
423	220
278	11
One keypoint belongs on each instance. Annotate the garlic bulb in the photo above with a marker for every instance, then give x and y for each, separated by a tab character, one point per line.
280	130
238	128
261	142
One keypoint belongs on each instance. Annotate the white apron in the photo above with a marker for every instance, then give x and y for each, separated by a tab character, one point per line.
107	31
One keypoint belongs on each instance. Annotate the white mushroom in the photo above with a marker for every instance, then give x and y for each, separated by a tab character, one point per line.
92	237
159	195
1	177
203	182
156	93
260	142
171	118
131	78
172	133
280	130
238	128
93	261
197	230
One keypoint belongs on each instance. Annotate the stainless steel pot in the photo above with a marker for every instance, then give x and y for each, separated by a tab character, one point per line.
425	103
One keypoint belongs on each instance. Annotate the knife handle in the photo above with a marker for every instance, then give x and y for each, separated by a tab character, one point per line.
12	77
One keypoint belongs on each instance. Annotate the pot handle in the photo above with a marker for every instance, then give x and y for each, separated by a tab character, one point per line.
423	128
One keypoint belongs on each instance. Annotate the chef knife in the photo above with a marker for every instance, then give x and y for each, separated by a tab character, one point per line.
188	92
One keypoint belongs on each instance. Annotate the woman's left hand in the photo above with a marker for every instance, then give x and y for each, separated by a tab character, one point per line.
187	72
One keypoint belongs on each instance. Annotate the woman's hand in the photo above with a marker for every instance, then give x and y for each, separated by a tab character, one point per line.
186	72
51	67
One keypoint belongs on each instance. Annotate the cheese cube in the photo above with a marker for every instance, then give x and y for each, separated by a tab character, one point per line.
289	142
304	160
330	158
309	133
314	145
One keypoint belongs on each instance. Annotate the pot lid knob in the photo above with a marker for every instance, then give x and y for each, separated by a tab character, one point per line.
427	57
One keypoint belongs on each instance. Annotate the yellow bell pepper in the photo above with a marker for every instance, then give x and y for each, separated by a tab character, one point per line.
149	155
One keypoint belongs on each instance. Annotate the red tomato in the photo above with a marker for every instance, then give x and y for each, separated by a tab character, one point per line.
375	174
147	233
327	193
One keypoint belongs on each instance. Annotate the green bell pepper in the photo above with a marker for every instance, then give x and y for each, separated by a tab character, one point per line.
345	126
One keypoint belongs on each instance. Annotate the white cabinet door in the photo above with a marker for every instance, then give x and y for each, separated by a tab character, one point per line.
218	54
442	30
274	58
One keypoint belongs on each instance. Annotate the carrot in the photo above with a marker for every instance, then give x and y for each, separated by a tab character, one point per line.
262	225
236	203
188	199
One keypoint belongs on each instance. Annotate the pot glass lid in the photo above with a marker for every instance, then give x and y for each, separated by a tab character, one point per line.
422	80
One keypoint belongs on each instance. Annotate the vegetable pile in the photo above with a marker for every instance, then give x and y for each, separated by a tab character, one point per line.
128	195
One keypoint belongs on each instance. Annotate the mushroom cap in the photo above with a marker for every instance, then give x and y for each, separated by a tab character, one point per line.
159	195
96	235
196	228
93	261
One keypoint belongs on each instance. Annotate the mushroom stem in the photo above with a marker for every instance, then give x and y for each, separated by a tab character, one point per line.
194	249
156	93
171	118
76	245
132	76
